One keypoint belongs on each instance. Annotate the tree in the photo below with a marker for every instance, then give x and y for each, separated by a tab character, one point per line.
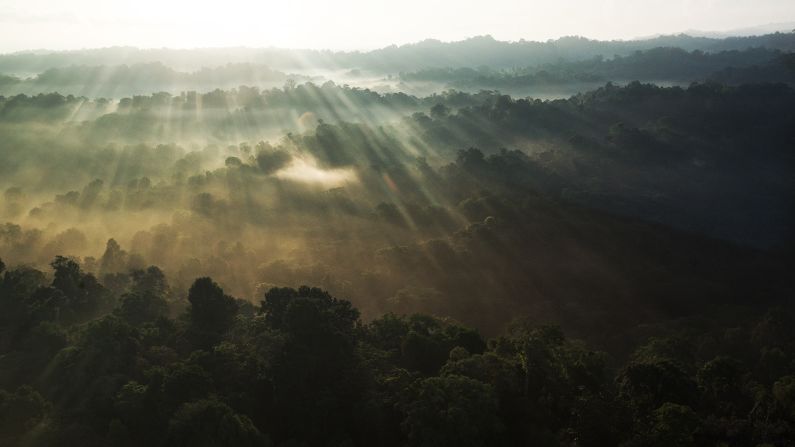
451	410
186	382
672	425
74	296
146	300
20	412
270	160
209	423
427	343
139	308
66	276
649	385
721	382
152	281
784	393
439	111
211	312
84	377
233	162
114	260
317	376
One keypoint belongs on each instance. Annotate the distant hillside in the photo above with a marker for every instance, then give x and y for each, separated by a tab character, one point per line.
664	64
481	50
125	80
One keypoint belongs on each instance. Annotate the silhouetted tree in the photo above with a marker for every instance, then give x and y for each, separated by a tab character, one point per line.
211	312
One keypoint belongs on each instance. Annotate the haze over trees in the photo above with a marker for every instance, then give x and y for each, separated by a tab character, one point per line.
572	242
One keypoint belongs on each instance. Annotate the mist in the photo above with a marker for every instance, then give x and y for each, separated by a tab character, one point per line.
466	242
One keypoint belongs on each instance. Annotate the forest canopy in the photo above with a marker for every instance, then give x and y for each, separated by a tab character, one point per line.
562	243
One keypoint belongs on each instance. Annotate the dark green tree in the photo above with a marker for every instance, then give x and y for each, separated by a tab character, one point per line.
452	410
209	423
211	312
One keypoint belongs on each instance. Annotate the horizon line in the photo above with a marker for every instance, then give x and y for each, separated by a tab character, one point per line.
697	34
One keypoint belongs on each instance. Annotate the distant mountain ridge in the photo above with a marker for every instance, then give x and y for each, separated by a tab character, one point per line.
769	28
475	51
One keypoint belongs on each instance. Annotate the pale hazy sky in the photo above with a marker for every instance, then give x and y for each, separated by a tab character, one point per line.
359	24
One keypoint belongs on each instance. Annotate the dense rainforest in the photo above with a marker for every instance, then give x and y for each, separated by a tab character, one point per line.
476	243
86	366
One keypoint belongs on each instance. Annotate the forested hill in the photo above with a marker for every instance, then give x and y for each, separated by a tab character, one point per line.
570	243
711	159
473	52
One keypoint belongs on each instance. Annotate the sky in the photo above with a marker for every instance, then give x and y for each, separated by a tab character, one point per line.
360	24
